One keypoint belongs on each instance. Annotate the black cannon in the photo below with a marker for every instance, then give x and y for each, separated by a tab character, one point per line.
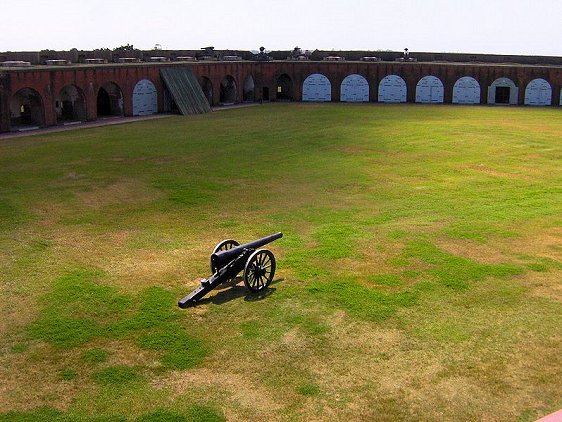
229	258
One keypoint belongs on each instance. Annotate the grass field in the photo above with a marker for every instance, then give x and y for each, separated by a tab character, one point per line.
419	278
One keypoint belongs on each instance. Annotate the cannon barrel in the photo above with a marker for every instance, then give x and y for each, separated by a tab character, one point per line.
222	258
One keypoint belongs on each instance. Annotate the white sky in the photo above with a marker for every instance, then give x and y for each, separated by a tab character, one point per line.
532	27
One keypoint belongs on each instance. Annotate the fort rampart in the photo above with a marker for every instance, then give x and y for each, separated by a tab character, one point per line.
50	95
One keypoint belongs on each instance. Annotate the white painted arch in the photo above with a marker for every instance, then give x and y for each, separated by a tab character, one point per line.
354	89
145	98
494	96
392	89
316	87
429	90
466	91
538	93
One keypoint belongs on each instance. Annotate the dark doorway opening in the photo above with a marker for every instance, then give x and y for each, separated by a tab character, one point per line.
110	100
70	105
248	93
67	112
265	93
104	103
502	94
228	90
26	109
284	88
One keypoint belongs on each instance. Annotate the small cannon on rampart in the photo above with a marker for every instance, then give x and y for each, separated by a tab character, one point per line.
229	258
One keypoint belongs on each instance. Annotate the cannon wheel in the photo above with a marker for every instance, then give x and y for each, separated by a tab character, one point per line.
223	246
259	270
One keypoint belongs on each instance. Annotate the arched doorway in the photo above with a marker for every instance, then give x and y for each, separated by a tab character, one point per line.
354	88
538	92
429	90
145	98
316	87
503	91
70	105
207	88
392	89
228	90
26	109
249	89
466	91
110	100
284	88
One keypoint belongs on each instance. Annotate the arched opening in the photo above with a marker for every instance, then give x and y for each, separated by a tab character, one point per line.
145	98
316	87
110	100
538	93
249	89
207	88
228	90
70	105
503	91
466	91
392	89
429	90
354	88
26	109
284	88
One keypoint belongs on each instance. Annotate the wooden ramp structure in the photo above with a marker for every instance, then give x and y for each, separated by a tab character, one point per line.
185	90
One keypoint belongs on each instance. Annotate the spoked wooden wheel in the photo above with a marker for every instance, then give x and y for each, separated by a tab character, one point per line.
259	270
223	246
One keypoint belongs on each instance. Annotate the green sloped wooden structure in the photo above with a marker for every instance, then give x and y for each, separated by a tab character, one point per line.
185	90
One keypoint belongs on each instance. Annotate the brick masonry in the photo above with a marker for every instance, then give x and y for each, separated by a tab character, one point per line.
49	81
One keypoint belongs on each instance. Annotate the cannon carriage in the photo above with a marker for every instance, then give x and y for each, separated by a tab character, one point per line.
229	258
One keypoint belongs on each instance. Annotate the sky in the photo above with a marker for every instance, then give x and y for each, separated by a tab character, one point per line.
529	27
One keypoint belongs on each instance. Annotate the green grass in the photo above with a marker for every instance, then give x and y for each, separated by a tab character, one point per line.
116	376
95	356
418	277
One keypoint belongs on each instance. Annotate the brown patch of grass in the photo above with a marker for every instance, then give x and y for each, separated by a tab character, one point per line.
142	268
475	251
350	149
15	313
544	284
481	168
387	373
48	214
372	257
243	398
128	191
31	380
127	354
540	242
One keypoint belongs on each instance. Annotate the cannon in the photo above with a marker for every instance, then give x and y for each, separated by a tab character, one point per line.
229	258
